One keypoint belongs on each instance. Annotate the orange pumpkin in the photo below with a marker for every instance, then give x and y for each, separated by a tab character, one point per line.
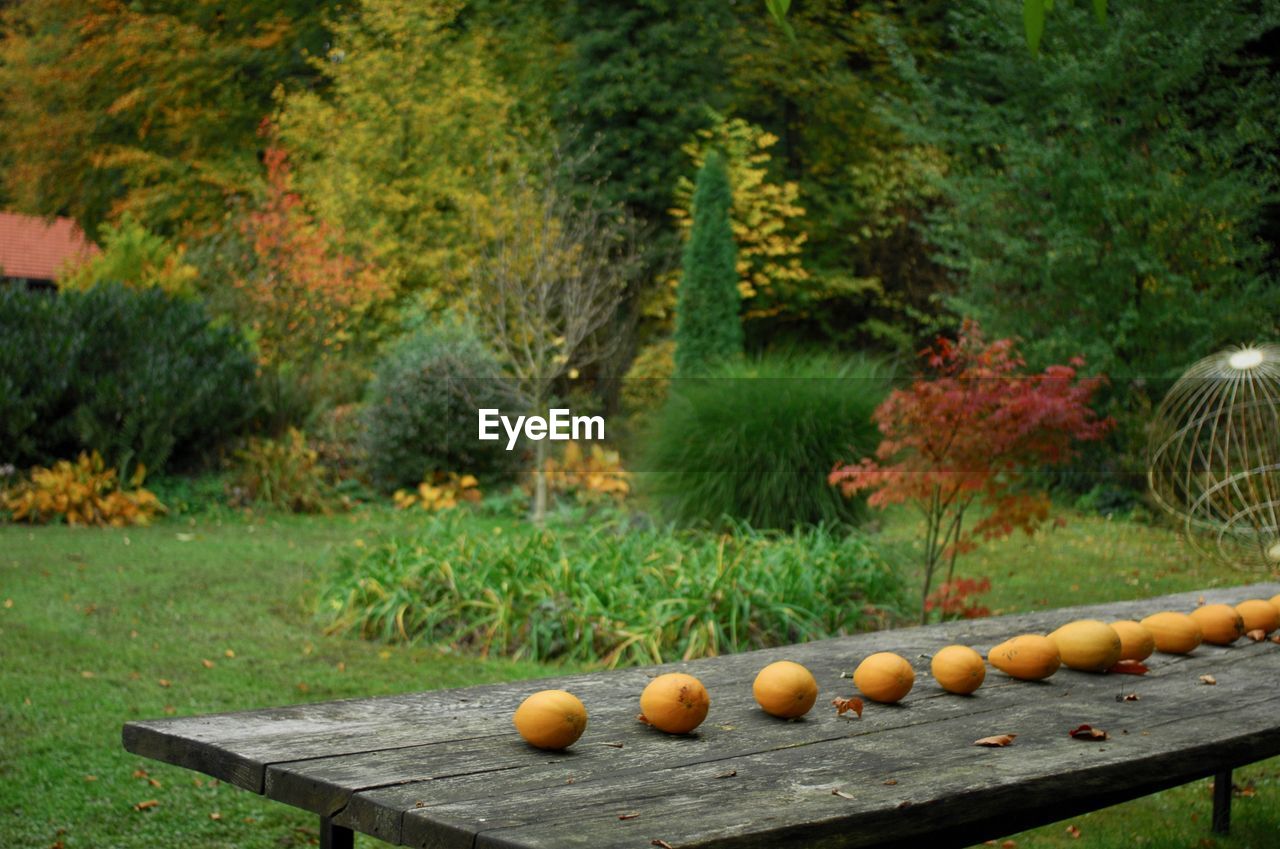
1259	615
1173	632
785	689
958	669
551	719
884	677
1087	645
1136	642
1029	657
1275	602
1220	624
675	703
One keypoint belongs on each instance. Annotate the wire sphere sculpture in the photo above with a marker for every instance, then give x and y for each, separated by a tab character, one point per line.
1214	456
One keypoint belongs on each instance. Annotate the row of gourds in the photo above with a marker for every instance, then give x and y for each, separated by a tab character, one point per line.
677	702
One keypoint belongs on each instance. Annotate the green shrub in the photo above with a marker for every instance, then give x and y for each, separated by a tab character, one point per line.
421	413
607	593
138	375
756	441
708	325
284	473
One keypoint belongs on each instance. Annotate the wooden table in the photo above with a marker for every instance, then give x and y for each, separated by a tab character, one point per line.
445	769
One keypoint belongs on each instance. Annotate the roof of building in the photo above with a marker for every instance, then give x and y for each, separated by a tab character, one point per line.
37	249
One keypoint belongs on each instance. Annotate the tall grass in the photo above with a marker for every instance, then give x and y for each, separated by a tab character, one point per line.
756	441
609	594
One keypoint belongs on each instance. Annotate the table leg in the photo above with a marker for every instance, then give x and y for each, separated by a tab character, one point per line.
1222	802
337	837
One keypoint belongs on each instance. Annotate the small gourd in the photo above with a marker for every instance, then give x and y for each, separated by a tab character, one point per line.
1029	657
1259	615
675	703
785	689
884	677
1136	642
1088	645
1174	633
551	719
958	669
1220	624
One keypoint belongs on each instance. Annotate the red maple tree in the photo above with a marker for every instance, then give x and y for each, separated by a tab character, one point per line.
304	295
966	436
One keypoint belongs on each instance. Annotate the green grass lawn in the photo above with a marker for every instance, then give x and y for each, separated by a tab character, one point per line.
101	626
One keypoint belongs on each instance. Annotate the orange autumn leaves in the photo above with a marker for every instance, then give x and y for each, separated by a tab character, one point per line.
305	297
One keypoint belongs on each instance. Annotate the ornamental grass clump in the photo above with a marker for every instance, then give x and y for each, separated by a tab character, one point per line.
609	595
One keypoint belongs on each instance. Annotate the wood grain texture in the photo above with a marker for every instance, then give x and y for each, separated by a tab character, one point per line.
445	769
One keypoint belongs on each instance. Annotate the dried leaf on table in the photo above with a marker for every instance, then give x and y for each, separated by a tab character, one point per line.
1130	667
854	704
998	741
1088	732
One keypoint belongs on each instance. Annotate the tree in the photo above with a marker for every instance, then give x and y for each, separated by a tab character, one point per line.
865	188
1106	197
708	327
967	437
765	217
401	146
547	283
136	257
149	108
303	298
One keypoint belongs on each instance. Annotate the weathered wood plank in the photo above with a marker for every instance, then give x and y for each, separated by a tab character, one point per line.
392	766
937	758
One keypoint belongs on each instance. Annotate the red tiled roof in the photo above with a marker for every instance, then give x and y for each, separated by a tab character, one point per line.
38	249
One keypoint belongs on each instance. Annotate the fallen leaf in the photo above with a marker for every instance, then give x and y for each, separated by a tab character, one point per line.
612	744
8	603
1257	635
1009	844
997	742
342	666
86	674
890	782
147	805
91	778
139	773
303	687
1131	697
165	682
730	774
170	710
629	816
185	537
1130	667
1073	831
206	663
841	794
154	783
228	653
1275	638
842	705
661	844
215	816
1088	732
1208	679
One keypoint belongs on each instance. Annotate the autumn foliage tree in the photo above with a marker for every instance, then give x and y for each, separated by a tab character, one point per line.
303	298
964	438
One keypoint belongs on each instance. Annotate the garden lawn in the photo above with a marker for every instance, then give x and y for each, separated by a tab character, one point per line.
98	627
101	626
